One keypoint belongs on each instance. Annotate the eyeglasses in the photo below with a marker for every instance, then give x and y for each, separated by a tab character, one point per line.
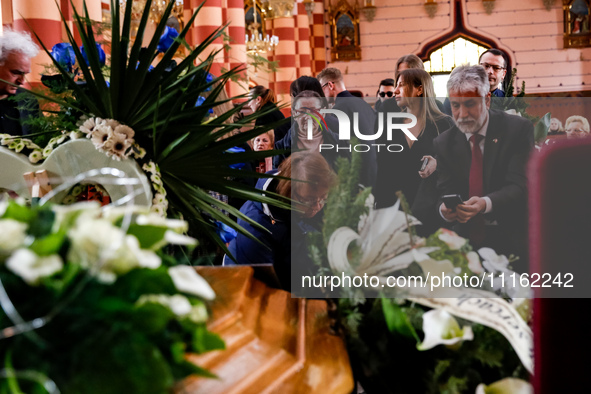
384	94
310	201
325	84
495	68
569	131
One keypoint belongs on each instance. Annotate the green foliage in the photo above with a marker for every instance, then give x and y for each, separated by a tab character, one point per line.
520	104
345	197
397	320
96	336
541	128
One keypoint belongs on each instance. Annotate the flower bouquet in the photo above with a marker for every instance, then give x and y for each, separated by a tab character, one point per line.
419	335
89	303
158	114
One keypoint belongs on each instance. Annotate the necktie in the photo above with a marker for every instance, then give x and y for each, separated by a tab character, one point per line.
476	224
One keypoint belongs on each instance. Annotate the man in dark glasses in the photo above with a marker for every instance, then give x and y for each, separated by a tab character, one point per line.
385	91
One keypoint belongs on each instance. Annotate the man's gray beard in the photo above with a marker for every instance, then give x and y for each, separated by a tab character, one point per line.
468	130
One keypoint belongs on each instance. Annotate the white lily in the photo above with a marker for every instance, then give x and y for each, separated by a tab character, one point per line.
384	243
441	328
32	268
187	280
506	386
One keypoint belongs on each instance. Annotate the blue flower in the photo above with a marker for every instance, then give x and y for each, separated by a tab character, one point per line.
200	101
167	38
63	53
208	79
101	53
236	166
225	232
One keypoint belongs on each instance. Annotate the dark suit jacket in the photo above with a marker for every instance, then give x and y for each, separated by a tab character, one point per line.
508	143
350	104
14	114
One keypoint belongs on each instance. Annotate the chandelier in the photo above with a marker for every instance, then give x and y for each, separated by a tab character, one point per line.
256	44
156	9
277	8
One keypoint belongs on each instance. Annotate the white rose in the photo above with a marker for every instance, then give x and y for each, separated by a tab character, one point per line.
31	268
12	235
179	305
198	313
187	280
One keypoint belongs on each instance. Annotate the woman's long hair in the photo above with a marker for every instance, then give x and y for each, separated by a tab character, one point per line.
267	95
417	77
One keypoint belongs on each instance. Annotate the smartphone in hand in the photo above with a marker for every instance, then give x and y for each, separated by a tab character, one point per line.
425	162
451	201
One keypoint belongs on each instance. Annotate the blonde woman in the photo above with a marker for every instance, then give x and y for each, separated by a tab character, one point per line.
265	141
576	127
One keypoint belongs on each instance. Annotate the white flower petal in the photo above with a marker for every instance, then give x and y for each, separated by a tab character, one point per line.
474	263
12	234
506	386
187	280
31	268
178	239
453	240
441	328
179	305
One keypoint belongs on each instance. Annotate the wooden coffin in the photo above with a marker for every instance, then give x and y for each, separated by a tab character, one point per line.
274	343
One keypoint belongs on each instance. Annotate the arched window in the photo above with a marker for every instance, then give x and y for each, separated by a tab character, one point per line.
445	58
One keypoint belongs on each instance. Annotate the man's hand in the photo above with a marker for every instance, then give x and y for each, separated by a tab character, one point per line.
470	208
449	214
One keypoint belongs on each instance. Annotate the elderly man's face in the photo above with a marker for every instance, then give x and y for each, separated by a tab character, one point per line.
469	109
14	69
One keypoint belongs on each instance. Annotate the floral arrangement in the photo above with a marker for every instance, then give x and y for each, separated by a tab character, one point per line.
112	138
435	340
167	123
88	297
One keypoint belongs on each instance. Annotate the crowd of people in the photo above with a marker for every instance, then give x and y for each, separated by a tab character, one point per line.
459	164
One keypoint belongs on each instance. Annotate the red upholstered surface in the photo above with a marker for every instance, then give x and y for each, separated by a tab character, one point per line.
560	240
